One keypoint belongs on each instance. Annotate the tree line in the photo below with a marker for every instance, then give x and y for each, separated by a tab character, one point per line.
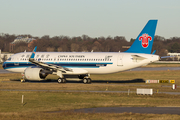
85	43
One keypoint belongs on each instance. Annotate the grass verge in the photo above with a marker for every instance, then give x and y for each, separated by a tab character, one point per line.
56	101
112	82
87	116
36	104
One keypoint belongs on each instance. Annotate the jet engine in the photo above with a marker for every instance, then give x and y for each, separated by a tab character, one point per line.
32	73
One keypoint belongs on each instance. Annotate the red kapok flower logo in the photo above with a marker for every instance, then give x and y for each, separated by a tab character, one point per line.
145	40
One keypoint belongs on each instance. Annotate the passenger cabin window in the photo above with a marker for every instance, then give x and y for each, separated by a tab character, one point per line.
42	56
47	56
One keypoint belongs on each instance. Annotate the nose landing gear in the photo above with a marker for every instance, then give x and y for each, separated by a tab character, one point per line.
22	79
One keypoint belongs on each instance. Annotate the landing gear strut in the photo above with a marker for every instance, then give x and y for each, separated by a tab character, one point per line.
22	79
61	78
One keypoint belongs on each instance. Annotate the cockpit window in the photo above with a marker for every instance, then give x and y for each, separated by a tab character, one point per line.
27	56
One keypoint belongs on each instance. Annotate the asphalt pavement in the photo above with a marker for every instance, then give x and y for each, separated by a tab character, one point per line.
155	68
4	71
143	110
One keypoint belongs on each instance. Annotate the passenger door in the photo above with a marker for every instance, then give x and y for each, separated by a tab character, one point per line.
120	60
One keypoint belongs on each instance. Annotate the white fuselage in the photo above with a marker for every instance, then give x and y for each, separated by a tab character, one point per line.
92	62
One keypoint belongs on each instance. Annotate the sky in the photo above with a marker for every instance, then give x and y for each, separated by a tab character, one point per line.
94	18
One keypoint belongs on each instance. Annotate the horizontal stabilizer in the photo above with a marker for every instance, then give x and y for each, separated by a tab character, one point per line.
167	56
137	57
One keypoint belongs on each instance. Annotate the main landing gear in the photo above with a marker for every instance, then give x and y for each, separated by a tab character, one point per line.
84	78
87	80
61	80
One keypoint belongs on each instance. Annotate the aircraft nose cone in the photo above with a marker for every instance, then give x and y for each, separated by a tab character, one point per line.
4	65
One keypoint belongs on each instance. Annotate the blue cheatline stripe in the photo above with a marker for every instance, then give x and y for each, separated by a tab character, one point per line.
81	66
63	66
61	62
16	67
10	65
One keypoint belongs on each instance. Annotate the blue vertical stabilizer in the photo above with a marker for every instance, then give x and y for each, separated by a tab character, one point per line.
144	41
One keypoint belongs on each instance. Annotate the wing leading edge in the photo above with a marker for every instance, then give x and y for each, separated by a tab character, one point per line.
46	66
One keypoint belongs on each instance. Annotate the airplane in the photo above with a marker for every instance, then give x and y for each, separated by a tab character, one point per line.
38	65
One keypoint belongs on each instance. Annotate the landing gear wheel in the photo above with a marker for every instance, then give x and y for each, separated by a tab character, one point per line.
64	80
89	80
85	80
61	80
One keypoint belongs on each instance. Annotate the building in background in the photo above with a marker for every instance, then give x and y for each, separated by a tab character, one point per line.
176	56
20	39
4	56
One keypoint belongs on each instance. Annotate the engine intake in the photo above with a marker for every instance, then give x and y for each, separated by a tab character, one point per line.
32	73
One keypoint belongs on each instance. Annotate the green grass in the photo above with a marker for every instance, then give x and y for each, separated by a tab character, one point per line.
56	101
87	116
37	103
1	66
162	65
122	81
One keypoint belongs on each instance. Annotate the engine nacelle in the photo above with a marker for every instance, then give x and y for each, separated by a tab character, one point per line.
32	73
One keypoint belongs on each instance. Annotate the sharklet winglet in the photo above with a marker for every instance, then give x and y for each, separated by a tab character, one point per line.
154	52
33	53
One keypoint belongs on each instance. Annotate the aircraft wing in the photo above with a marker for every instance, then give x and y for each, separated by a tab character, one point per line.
46	66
